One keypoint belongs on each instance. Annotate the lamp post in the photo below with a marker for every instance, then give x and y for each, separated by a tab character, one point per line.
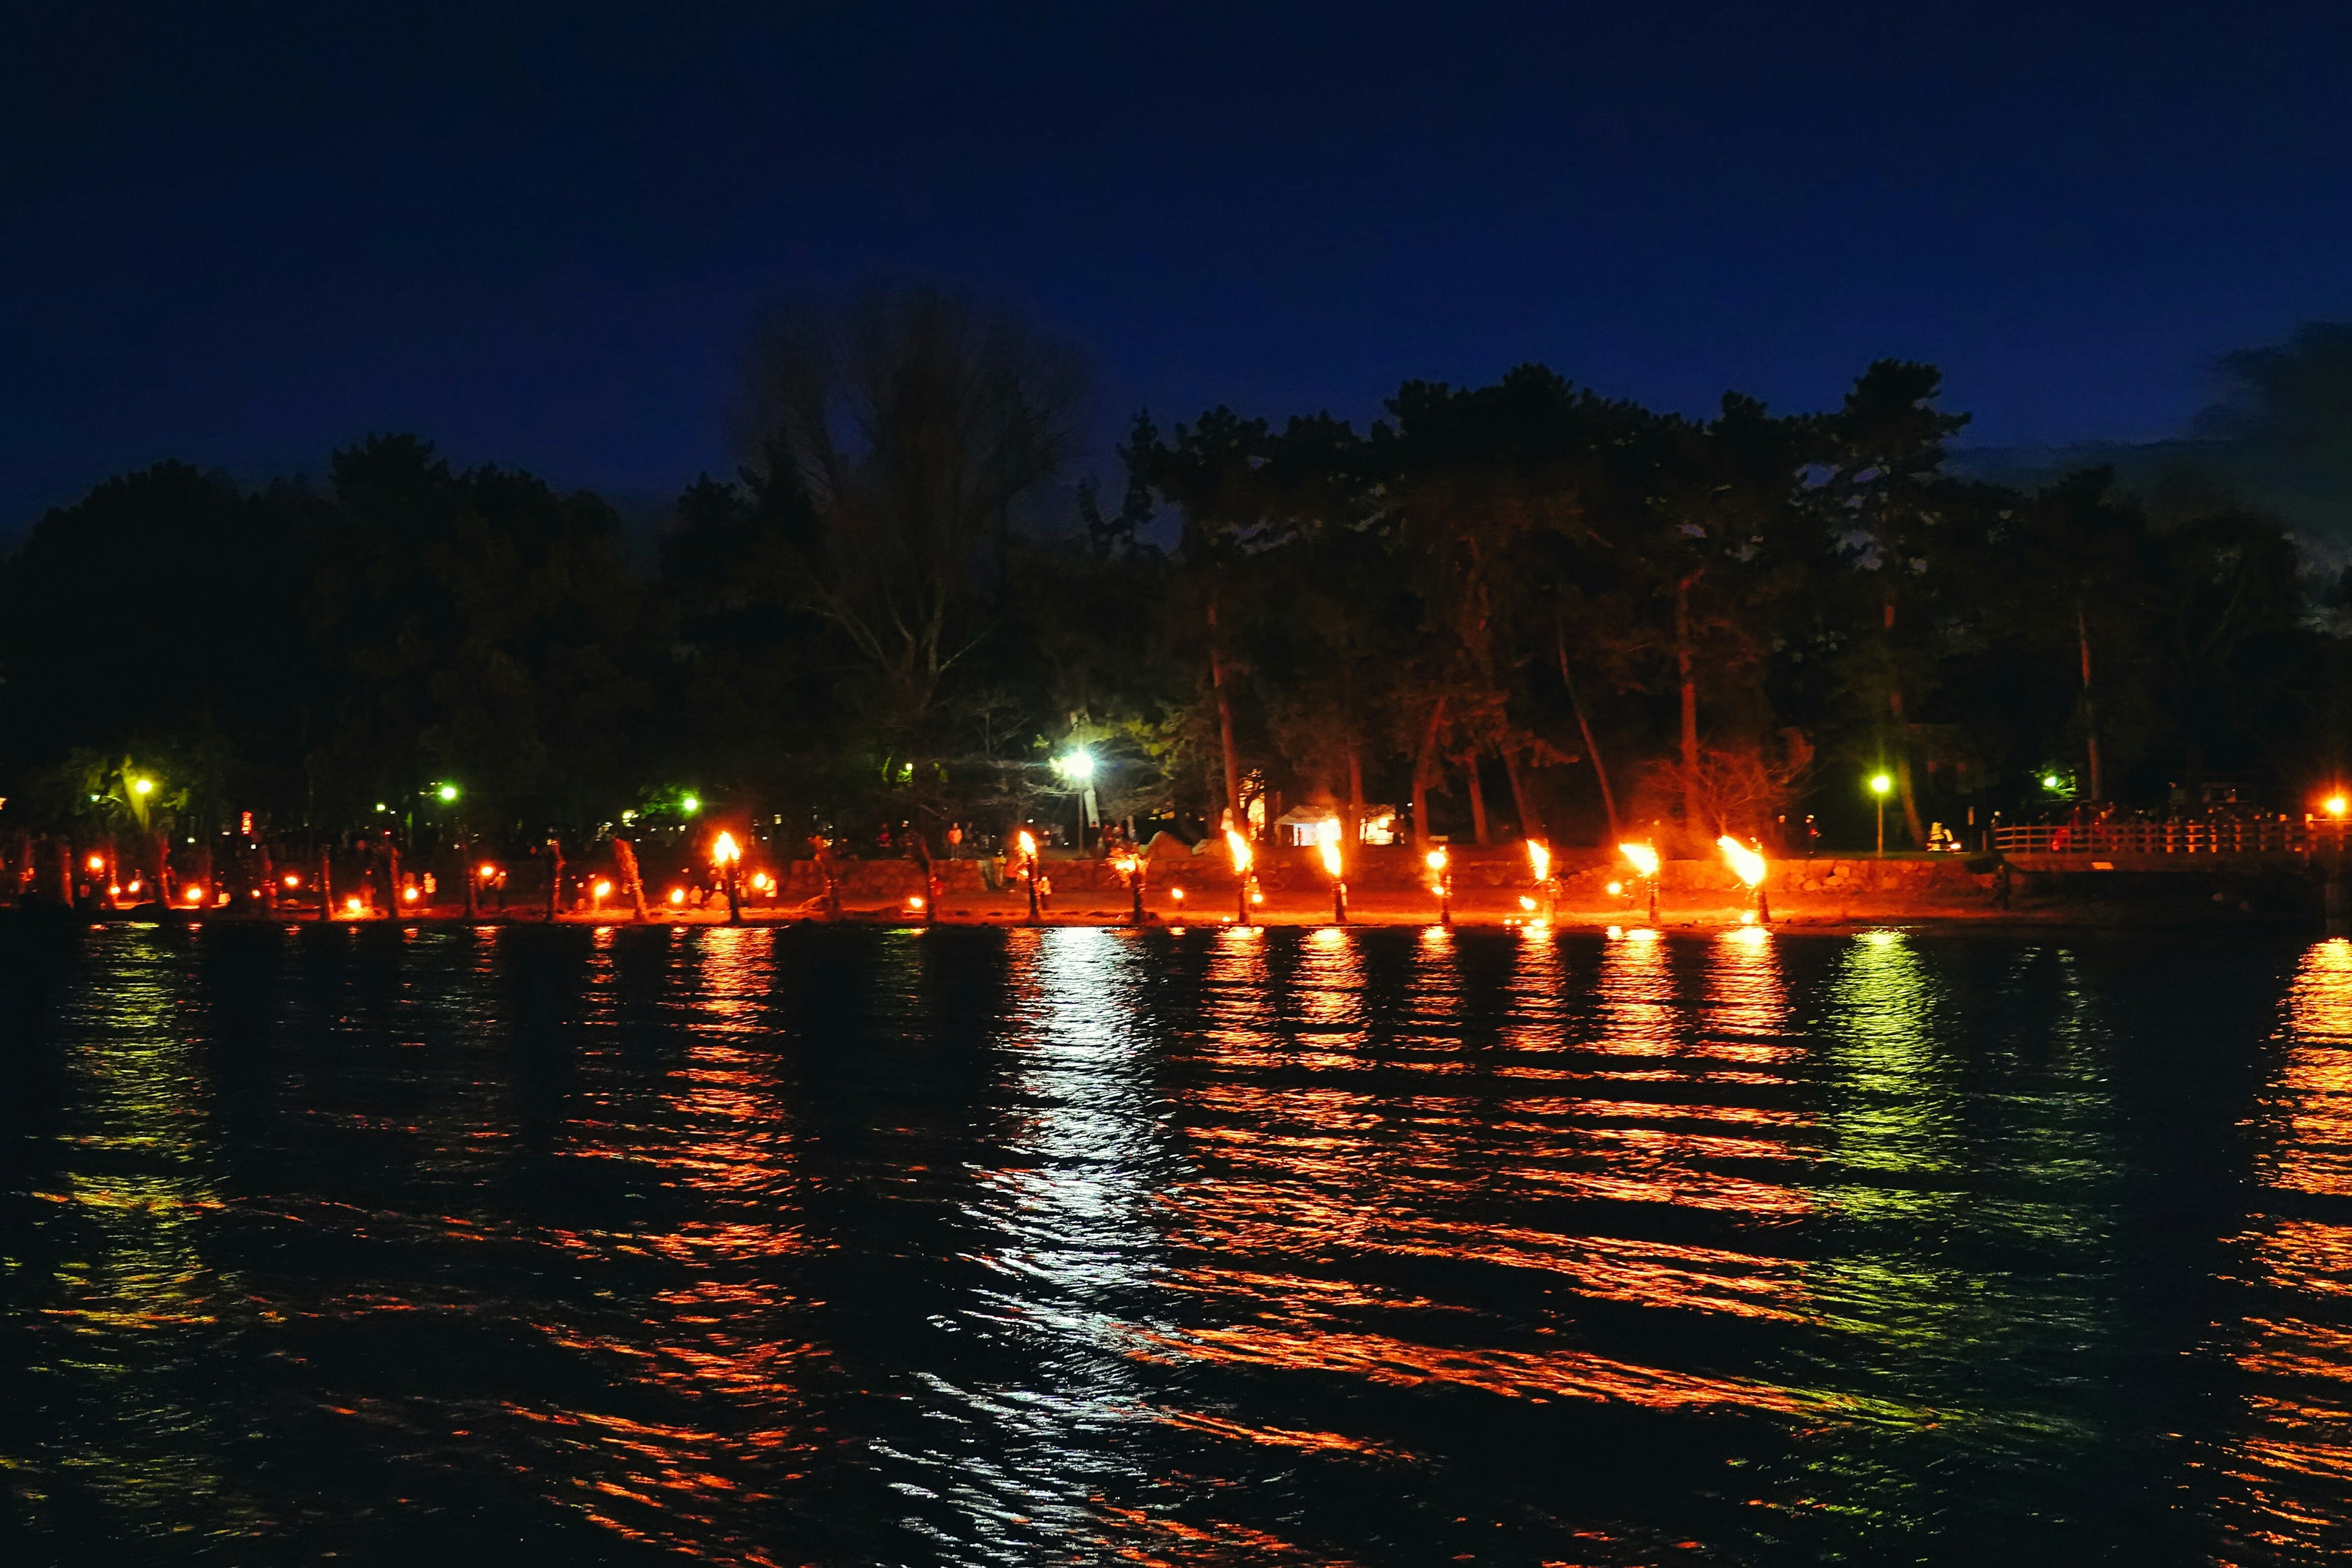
1879	787
1078	766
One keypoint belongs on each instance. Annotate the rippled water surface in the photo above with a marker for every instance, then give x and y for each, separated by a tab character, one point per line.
1073	1245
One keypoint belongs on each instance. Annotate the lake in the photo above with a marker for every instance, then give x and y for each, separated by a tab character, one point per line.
1390	1246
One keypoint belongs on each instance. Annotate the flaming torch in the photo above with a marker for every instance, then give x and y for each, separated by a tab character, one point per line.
1645	859
1027	844
1540	863
727	856
1240	848
1131	866
1327	838
1441	882
1749	866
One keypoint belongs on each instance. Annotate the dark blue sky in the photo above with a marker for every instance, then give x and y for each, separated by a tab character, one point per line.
536	233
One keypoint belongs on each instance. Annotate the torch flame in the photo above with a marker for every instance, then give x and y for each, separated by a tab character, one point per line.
1241	851
1540	859
1436	860
1327	837
1028	844
1746	863
1644	856
723	851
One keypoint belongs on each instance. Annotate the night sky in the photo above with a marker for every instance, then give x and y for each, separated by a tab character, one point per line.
536	233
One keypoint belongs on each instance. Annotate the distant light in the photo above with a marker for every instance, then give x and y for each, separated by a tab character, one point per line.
380	807
410	894
690	805
1880	783
1436	860
1078	765
677	895
291	881
1616	889
98	862
447	792
1257	897
2053	783
1177	894
1526	903
141	786
628	816
603	888
353	904
488	871
914	900
195	895
2337	805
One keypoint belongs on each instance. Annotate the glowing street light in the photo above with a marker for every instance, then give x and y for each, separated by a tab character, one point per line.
1441	882
1239	848
689	804
1327	838
1880	785
1078	765
447	793
143	786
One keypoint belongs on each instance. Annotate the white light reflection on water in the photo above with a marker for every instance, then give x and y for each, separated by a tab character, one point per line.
1069	1208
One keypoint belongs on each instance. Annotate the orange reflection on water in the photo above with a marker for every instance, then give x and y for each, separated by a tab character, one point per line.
723	1336
2291	1459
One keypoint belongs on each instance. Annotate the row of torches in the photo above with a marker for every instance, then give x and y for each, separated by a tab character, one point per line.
1747	863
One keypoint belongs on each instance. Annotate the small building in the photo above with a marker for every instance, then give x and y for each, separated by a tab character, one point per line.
1301	826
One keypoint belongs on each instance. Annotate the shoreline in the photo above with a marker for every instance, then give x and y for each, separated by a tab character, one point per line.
2041	915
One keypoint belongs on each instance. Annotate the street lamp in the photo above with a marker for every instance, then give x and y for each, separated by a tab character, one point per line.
1078	765
448	794
1880	785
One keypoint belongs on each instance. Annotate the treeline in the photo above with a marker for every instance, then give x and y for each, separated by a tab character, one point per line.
1523	606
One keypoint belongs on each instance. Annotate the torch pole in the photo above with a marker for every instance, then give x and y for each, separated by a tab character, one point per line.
1030	867
1135	894
1338	902
1241	900
734	899
1445	900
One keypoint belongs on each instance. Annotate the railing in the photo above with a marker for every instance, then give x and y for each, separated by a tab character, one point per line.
2252	837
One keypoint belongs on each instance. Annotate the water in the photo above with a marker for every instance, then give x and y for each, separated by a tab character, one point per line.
1079	1245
